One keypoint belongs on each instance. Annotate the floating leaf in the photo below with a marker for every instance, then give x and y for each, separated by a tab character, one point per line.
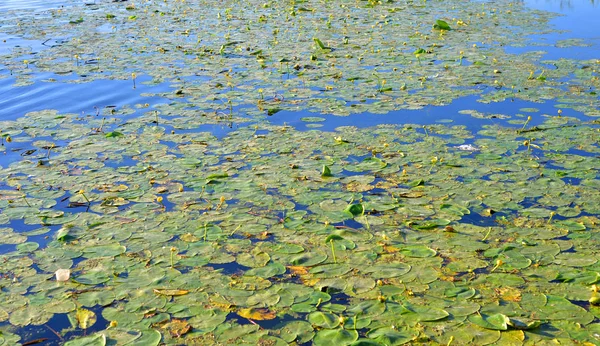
494	321
392	336
110	250
388	271
326	172
338	336
323	319
257	314
92	278
320	44
523	323
355	209
92	340
114	134
441	25
170	292
85	318
418	251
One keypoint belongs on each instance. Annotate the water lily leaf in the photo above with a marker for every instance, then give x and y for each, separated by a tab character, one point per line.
29	315
92	340
326	172
110	250
419	51
85	318
368	308
418	251
575	259
62	233
571	226
415	183
176	327
3	315
333	237
121	336
392	336
323	319
425	313
170	292
459	292
338	336
455	209
320	44
93	298
148	337
270	270
299	331
441	25
523	323
494	321
330	270
28	247
307	259
207	320
388	271
429	224
92	278
366	342
257	314
114	134
355	209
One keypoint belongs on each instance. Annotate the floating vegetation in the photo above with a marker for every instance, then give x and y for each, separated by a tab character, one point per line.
367	219
137	227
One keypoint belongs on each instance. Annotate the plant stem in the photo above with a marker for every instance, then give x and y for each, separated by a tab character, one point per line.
487	234
238	227
333	251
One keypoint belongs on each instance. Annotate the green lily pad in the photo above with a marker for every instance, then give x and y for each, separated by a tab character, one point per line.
338	336
494	321
323	320
110	250
392	336
418	251
92	340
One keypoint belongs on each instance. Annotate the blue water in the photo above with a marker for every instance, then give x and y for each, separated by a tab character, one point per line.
578	19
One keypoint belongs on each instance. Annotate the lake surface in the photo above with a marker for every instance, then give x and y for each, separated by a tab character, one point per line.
299	173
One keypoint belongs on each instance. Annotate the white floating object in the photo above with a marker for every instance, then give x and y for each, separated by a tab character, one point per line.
63	274
467	147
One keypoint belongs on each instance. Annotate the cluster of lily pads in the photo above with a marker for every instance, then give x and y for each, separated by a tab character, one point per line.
269	235
327	57
381	235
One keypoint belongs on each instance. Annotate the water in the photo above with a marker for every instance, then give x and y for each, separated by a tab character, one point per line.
578	20
32	5
81	98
